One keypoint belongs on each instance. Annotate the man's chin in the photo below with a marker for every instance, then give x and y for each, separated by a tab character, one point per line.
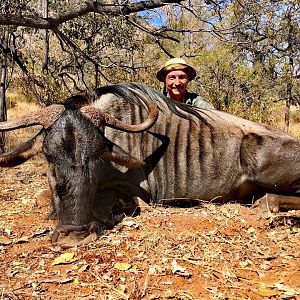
176	92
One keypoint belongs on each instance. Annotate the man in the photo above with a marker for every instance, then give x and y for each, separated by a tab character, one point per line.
176	75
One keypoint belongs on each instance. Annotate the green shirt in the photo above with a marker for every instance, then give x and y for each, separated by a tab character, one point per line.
198	101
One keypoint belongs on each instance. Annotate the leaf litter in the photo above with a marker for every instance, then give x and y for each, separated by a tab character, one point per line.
208	252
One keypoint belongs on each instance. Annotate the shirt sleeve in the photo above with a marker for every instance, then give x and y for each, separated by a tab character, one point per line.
202	103
198	101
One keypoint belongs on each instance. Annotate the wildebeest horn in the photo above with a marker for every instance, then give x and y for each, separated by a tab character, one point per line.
119	156
45	117
23	152
100	118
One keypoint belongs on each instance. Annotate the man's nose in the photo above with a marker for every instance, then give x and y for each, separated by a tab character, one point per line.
177	81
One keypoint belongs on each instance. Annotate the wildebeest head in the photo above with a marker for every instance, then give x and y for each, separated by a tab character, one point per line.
76	149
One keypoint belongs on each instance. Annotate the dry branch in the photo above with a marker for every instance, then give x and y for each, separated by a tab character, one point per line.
86	8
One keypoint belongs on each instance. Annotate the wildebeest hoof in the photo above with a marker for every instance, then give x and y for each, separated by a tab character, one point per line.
267	203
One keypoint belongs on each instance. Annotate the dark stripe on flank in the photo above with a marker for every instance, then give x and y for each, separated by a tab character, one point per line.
202	149
176	165
191	147
165	170
182	151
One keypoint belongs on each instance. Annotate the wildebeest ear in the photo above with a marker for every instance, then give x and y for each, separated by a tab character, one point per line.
119	156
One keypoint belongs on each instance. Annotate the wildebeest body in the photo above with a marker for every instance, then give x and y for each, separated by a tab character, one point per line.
188	153
204	154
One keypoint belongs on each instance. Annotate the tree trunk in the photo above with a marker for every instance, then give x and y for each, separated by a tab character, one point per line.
288	107
3	86
45	66
46	38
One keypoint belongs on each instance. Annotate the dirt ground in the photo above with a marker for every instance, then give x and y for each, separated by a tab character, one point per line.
209	252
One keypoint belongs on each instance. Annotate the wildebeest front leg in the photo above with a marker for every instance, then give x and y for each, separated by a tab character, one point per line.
275	203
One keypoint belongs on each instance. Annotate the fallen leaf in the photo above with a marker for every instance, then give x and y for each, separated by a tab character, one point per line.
287	290
267	292
152	270
5	240
76	281
122	288
65	258
245	263
34	284
65	280
251	230
265	265
130	224
17	263
177	269
134	270
22	239
122	266
40	232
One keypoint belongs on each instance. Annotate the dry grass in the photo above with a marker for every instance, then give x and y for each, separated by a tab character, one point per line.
17	110
277	119
210	252
294	128
20	108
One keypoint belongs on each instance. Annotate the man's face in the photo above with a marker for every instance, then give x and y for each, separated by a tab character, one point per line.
176	84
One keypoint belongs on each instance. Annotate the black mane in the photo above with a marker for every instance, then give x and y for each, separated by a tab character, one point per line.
75	102
163	102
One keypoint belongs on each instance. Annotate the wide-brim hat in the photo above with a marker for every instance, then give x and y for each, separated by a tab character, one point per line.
175	64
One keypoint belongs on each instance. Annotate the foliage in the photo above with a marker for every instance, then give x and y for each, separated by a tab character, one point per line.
246	52
93	50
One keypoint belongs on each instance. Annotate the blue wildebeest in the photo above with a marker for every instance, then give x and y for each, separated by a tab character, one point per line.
128	141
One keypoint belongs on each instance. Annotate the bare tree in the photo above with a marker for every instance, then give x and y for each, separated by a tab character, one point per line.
44	4
87	7
95	43
94	40
3	87
269	35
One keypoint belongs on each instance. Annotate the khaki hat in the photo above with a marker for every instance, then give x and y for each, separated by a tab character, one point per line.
175	64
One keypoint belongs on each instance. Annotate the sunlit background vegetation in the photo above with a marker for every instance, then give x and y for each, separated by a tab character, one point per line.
246	53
